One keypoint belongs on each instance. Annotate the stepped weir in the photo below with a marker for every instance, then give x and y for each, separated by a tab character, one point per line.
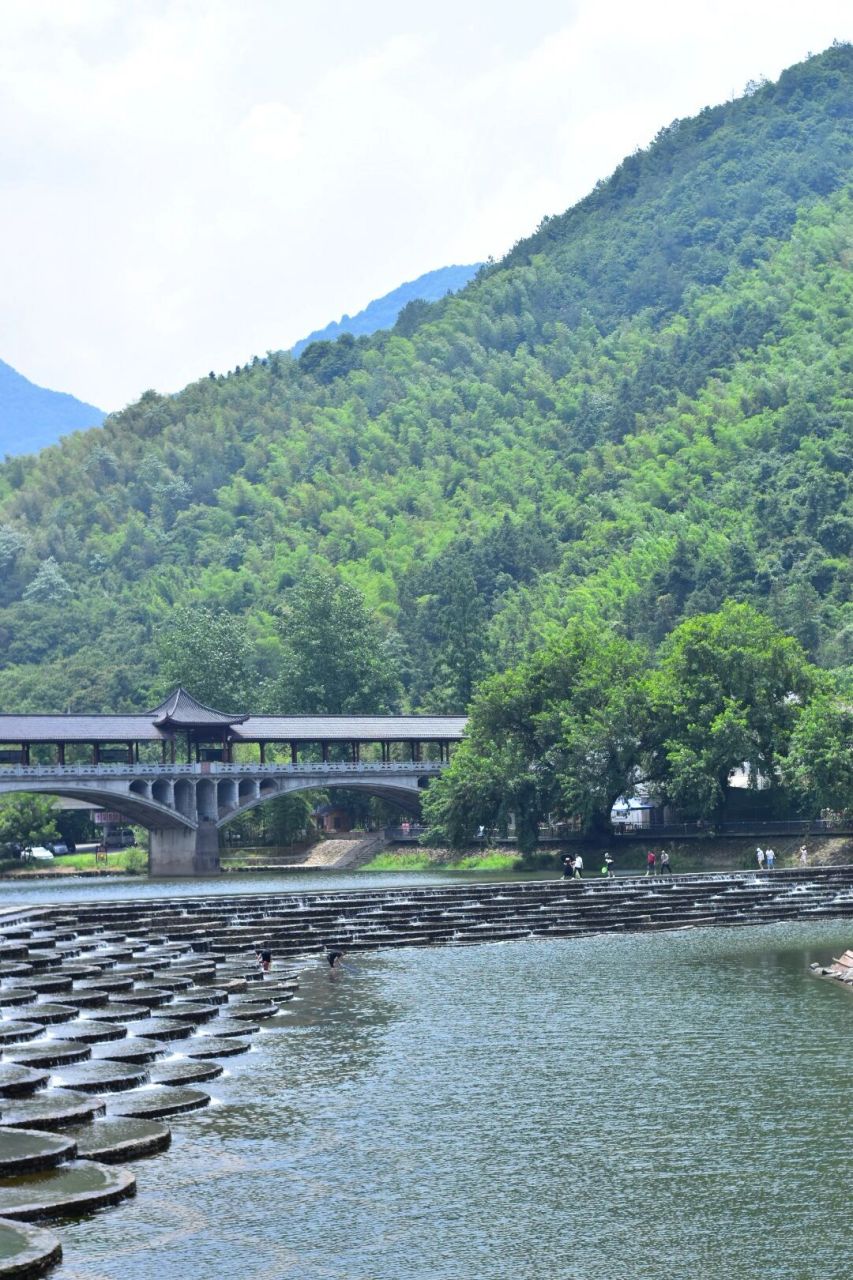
114	1013
301	924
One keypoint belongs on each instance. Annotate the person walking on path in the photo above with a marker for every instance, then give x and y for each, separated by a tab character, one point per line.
759	858
607	869
578	867
651	863
770	858
665	863
568	866
804	856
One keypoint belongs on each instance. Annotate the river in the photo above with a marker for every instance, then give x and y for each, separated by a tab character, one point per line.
643	1107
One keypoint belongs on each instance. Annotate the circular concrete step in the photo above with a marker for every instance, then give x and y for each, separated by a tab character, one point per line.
19	1082
102	1077
79	1187
48	1053
181	1071
48	1013
203	1047
52	1109
30	1151
89	1032
134	1049
113	1139
27	1251
14	1032
159	1101
230	1027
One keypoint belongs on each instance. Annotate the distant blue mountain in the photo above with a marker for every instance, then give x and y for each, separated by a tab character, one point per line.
382	312
32	417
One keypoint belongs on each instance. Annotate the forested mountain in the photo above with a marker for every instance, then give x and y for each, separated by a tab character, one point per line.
32	417
642	411
382	312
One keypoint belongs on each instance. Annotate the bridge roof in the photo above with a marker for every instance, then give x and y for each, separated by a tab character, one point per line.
145	728
58	728
349	728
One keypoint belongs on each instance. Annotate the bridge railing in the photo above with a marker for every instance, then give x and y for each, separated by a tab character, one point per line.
379	767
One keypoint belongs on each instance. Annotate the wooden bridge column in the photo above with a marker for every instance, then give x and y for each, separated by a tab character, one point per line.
60	753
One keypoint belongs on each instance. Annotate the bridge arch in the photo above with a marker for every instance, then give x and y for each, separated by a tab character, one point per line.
135	806
406	797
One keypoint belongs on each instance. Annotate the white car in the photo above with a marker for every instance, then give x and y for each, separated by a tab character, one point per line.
37	851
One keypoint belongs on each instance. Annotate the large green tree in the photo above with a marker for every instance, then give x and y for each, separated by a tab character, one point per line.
209	652
819	765
26	819
336	655
567	730
728	691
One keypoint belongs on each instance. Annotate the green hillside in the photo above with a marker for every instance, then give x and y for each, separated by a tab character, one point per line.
645	409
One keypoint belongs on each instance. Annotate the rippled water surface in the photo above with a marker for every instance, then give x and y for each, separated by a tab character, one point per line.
647	1107
82	888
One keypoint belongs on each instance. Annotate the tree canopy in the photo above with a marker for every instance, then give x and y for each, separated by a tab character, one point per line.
592	716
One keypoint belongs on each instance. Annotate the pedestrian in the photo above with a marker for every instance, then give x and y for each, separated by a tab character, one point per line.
578	867
651	863
568	866
263	956
607	869
804	856
664	863
759	858
335	959
770	858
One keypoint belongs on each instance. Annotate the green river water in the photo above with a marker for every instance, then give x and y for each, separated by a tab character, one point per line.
611	1108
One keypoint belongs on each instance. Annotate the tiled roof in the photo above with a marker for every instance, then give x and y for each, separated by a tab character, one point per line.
349	728
131	728
78	729
181	708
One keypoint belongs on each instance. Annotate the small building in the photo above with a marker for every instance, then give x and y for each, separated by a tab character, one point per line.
333	818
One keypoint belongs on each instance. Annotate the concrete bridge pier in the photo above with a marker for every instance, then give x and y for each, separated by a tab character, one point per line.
184	851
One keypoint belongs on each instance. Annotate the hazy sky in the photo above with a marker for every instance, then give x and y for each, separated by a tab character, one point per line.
188	182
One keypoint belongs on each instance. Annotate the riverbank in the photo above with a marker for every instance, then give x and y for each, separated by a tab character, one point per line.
122	862
712	854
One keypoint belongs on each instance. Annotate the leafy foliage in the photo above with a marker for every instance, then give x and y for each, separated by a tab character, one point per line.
566	730
589	717
26	820
728	691
207	650
335	656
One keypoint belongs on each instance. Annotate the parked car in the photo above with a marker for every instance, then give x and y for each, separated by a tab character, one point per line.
121	839
59	846
36	852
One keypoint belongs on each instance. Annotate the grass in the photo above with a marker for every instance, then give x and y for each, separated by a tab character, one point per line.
128	860
426	860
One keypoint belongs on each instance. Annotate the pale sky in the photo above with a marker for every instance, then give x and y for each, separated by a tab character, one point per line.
186	183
